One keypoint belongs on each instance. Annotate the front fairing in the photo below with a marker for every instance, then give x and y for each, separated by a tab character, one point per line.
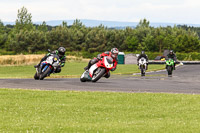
86	76
170	62
106	62
51	61
142	62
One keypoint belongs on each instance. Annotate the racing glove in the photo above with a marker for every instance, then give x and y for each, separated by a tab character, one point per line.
99	57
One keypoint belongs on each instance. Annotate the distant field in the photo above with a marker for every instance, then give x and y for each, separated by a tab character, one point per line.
31	59
68	111
71	69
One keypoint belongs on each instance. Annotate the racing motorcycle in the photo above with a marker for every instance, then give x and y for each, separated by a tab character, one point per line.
98	70
170	66
47	67
143	65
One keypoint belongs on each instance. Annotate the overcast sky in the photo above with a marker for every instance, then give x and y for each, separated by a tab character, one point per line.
173	11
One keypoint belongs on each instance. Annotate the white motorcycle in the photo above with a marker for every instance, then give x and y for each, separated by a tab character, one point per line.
47	67
143	65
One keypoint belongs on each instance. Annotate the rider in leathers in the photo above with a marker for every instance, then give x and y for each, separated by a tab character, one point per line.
113	53
172	55
61	53
144	56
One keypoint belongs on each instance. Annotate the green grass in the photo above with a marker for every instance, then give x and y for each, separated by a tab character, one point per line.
67	111
71	69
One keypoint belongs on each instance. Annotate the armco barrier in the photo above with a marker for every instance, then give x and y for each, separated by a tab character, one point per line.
191	62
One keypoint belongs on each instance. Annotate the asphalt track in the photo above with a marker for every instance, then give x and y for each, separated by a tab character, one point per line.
185	79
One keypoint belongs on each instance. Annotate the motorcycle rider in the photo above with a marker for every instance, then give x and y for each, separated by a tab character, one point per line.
61	53
113	53
172	55
144	56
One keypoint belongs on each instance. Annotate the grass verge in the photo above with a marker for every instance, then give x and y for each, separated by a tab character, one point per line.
68	111
71	69
32	59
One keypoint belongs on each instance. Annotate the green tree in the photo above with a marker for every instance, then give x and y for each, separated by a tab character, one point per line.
143	23
43	27
3	34
24	20
78	32
159	39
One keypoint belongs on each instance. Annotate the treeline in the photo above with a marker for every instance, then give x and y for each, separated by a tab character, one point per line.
25	37
196	29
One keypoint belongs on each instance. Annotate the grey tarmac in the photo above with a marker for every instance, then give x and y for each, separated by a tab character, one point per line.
185	79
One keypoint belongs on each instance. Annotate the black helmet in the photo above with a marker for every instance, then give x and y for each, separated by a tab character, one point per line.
171	52
114	52
142	52
61	51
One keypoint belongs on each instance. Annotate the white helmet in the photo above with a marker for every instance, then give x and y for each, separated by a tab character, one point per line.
114	52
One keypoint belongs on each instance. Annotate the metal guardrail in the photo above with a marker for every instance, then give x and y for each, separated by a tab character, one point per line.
191	62
156	62
179	62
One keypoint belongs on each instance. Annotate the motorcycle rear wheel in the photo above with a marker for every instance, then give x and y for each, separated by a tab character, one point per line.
82	80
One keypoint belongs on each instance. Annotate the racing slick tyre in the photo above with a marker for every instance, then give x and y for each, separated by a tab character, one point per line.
36	76
98	74
169	70
142	72
45	73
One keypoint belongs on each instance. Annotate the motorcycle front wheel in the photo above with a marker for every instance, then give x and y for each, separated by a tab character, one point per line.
142	71
169	70
36	76
98	74
45	73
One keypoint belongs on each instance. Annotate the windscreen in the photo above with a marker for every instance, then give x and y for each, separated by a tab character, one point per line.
109	60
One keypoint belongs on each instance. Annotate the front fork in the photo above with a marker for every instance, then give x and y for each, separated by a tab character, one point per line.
144	67
37	70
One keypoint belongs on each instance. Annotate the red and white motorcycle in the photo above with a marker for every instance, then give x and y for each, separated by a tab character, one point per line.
98	70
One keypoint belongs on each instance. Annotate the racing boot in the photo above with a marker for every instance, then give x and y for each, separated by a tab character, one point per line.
86	68
36	66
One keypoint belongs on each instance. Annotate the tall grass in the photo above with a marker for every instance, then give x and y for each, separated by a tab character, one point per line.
19	59
31	59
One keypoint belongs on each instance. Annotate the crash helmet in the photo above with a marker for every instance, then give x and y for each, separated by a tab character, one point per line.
61	51
142	52
114	52
171	52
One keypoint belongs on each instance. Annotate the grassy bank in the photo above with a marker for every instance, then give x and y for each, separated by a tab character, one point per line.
66	111
32	59
71	69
